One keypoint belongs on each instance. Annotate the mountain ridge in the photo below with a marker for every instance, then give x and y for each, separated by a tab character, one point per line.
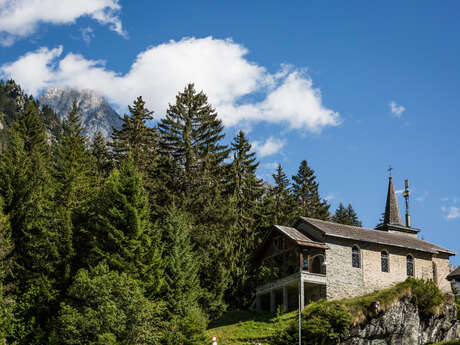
95	112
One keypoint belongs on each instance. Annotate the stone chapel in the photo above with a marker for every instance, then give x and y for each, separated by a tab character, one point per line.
321	259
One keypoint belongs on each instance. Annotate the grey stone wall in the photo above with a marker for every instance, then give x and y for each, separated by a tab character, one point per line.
345	281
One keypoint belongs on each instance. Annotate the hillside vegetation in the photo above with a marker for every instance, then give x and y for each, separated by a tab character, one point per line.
325	322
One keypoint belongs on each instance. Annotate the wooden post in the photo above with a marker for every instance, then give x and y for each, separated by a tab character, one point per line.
301	259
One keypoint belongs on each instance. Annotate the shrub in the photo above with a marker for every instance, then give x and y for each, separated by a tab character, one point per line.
322	323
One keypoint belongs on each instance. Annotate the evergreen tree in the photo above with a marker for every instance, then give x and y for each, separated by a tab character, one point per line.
6	298
122	233
190	134
246	191
108	308
182	290
136	138
182	286
305	191
279	203
27	188
346	216
100	153
74	188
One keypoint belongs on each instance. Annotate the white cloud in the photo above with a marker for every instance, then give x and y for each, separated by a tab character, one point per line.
87	34
330	196
270	147
218	67
21	18
399	191
270	165
450	212
396	109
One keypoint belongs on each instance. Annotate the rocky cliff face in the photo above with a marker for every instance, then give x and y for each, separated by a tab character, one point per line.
96	114
403	324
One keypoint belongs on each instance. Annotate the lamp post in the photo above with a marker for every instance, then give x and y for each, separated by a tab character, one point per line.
300	312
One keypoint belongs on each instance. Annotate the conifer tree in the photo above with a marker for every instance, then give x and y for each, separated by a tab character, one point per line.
305	191
6	298
74	178
136	138
190	134
246	191
27	188
101	158
279	203
182	289
122	233
346	216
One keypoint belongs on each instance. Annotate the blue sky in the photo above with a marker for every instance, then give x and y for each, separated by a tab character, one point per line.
349	86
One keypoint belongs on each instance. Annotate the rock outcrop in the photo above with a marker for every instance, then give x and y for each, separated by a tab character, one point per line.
403	324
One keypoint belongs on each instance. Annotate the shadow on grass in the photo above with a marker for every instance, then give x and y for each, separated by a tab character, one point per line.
239	316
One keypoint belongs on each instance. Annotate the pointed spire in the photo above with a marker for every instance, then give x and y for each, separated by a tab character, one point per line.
392	215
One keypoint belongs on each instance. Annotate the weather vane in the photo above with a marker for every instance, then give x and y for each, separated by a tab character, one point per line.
389	170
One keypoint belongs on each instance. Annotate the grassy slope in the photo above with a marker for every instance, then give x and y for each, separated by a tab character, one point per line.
240	327
237	325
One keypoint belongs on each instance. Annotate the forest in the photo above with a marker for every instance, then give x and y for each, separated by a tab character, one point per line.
141	239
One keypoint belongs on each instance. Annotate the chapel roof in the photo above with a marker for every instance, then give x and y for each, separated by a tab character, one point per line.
337	230
454	274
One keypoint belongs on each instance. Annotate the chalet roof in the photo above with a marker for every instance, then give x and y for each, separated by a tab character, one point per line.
374	236
454	274
298	237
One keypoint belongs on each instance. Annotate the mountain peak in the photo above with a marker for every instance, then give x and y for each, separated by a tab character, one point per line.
95	112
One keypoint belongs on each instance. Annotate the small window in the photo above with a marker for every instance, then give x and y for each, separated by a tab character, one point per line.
355	257
410	265
384	261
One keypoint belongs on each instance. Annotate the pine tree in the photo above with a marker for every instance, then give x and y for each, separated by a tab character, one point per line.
74	189
305	191
122	233
27	188
346	216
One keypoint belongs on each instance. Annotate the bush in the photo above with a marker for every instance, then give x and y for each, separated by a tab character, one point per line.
107	307
323	323
427	295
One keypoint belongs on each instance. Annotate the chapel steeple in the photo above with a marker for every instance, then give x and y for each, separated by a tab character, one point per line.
392	218
392	215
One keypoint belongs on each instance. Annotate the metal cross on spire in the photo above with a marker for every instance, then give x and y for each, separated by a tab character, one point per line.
390	169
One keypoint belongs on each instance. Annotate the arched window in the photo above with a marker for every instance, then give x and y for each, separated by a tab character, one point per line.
317	264
355	257
435	273
384	261
410	265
